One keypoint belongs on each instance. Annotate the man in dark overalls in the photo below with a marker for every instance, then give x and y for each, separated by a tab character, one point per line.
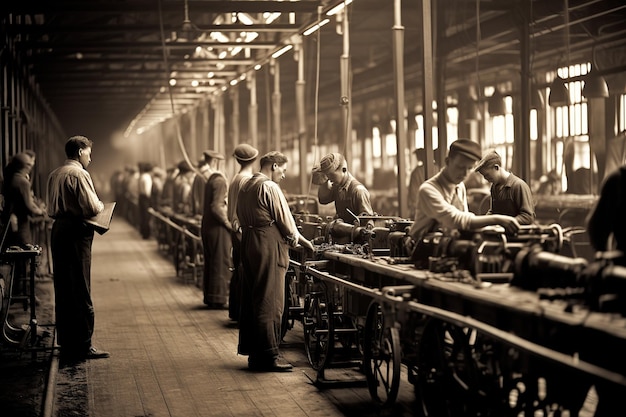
268	227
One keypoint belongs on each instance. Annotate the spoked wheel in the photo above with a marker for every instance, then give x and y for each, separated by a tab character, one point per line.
292	307
318	328
381	356
448	383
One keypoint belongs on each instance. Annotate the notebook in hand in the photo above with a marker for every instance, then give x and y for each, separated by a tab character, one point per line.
102	221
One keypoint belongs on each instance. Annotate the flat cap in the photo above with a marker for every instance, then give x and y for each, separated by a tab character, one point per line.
210	153
331	162
420	153
467	148
183	166
245	152
492	158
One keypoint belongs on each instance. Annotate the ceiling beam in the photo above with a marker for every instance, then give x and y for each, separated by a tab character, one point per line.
195	6
129	73
114	60
129	45
53	29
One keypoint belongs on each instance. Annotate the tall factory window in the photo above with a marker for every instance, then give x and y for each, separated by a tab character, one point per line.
570	144
419	133
452	124
499	130
622	113
377	150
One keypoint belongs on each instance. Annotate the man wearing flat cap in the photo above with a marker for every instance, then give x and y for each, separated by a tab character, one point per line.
338	185
442	199
183	182
215	231
268	229
510	195
206	166
246	156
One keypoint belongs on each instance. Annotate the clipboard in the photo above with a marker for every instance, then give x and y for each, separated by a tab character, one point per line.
102	221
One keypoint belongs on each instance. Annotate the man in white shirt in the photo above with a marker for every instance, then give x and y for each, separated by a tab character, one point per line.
442	199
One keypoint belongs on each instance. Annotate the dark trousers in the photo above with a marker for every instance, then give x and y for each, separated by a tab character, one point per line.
234	293
144	216
265	258
71	241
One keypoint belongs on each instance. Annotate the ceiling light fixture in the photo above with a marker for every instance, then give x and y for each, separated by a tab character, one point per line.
496	104
559	94
245	18
536	99
281	51
338	8
270	17
595	86
188	31
315	27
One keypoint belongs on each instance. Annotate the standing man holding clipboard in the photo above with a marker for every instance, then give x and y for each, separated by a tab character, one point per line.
73	204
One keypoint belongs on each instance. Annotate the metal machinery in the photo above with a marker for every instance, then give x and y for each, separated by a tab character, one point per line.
486	324
20	264
178	236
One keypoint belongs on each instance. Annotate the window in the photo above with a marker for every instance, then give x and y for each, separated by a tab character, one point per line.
570	143
622	113
500	131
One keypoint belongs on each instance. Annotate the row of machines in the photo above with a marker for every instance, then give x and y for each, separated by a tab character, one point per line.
178	237
19	331
485	323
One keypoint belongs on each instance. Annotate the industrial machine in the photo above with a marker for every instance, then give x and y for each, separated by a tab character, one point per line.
486	323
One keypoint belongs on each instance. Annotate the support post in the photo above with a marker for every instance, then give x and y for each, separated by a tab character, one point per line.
300	107
427	86
276	97
253	111
346	94
401	126
521	153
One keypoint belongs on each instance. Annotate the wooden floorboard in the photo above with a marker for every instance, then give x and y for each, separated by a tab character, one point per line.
172	357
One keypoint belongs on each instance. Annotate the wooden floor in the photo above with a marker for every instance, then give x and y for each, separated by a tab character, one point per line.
172	357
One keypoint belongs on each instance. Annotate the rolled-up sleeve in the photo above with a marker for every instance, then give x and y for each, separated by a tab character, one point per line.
87	197
432	204
71	191
280	212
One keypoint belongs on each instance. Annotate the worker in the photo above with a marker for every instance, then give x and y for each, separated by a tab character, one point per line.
510	194
442	199
337	184
268	229
606	223
246	156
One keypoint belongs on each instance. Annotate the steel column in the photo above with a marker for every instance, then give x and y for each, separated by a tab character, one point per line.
253	111
401	126
300	109
427	85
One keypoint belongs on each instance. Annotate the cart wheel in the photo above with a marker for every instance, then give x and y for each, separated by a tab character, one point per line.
446	372
318	329
292	301
382	357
